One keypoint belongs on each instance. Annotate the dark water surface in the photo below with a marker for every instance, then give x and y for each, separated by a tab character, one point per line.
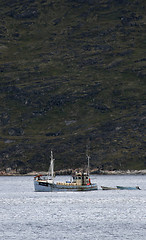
115	214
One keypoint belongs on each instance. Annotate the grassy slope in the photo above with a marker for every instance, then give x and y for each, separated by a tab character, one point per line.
72	71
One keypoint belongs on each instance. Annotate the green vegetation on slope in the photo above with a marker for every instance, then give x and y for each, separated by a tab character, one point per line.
72	71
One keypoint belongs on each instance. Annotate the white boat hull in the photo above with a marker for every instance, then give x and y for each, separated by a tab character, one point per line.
54	187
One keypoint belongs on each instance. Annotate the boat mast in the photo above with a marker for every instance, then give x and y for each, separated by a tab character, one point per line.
51	168
88	158
88	168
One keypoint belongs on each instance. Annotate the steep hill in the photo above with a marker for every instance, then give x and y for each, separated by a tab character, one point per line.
72	74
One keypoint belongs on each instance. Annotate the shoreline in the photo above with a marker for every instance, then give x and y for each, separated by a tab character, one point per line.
70	171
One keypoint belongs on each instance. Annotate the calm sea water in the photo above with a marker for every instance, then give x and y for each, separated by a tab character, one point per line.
28	215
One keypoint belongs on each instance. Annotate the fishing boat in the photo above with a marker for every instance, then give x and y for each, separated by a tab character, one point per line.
80	181
128	188
108	188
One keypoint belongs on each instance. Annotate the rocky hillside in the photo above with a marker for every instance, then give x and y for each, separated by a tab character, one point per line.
72	74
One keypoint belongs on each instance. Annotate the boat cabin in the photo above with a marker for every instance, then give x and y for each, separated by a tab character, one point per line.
81	178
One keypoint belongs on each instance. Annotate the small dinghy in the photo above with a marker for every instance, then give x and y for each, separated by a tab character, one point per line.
108	188
128	188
